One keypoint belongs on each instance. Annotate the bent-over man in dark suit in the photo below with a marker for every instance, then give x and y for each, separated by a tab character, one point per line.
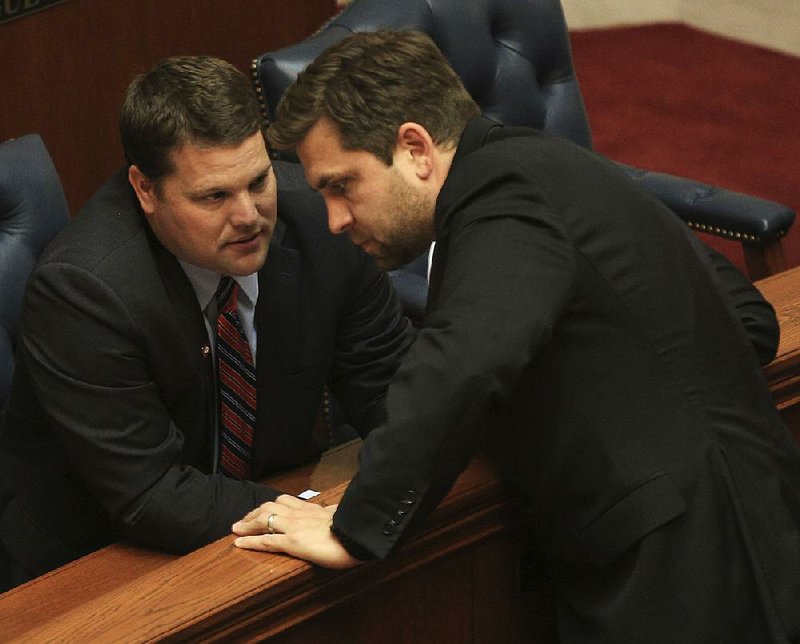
578	332
113	427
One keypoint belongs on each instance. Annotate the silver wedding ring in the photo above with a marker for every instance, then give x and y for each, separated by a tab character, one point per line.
270	523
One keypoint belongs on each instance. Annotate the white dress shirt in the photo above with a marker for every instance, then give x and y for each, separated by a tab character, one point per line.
204	281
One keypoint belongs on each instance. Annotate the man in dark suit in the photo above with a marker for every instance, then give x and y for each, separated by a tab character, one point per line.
112	429
577	332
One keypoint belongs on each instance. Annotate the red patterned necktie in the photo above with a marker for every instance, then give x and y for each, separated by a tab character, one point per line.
237	385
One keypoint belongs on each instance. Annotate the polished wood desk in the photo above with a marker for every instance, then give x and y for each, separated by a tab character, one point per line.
453	581
783	373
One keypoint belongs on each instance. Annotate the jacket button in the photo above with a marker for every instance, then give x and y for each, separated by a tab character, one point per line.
389	529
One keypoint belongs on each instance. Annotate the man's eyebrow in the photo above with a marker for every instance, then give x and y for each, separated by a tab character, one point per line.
260	175
323	181
213	188
204	191
262	172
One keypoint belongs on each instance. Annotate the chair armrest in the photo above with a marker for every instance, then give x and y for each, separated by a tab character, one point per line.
714	210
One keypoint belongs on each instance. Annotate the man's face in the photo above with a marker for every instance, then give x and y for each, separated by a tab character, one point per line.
217	209
382	208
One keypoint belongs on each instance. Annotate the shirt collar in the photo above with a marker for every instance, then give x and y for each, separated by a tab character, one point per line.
205	281
475	134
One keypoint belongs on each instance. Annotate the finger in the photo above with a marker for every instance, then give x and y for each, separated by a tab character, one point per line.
264	508
330	555
246	527
262	543
258	524
277	543
261	525
251	515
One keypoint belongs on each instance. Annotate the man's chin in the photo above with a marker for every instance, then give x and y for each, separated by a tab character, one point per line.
390	258
393	261
386	263
247	265
378	254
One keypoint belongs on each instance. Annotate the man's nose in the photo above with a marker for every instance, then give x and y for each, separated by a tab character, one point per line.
339	216
244	212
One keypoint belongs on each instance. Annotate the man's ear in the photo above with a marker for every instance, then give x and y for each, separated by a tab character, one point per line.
145	189
414	143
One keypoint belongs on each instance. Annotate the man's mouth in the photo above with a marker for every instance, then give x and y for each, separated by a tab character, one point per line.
362	244
242	241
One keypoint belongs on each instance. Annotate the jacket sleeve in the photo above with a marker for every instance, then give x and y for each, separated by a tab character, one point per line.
90	364
372	336
753	311
755	314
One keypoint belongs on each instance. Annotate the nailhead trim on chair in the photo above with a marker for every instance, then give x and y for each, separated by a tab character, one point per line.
259	90
722	232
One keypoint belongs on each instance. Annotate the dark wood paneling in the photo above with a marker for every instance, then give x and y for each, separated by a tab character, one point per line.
63	70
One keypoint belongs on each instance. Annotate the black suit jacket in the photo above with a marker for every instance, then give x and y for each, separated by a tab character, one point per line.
110	428
578	333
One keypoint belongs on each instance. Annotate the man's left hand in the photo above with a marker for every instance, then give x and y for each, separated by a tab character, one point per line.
295	527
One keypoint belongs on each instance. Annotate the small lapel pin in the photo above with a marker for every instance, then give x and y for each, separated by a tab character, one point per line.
205	350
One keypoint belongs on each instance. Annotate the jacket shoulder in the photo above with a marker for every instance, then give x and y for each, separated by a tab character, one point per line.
108	223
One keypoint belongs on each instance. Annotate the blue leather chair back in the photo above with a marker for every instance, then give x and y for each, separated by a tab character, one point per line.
515	58
32	211
500	49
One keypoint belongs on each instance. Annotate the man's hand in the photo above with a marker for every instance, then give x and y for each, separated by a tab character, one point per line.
296	527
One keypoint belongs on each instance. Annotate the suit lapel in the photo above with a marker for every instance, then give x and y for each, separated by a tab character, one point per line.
185	308
277	320
193	339
478	131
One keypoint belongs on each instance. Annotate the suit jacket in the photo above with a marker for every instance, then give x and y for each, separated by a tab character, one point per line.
576	332
111	426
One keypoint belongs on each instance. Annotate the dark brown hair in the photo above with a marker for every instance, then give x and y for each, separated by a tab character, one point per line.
185	99
369	84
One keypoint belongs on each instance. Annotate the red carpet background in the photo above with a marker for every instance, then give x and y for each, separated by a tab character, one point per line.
675	99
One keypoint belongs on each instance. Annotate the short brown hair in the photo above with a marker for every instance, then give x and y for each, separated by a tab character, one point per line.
198	99
369	84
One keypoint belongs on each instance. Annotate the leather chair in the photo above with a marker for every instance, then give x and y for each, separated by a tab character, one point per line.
32	211
515	58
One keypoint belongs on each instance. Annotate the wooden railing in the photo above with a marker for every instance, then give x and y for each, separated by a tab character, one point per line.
454	580
783	373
